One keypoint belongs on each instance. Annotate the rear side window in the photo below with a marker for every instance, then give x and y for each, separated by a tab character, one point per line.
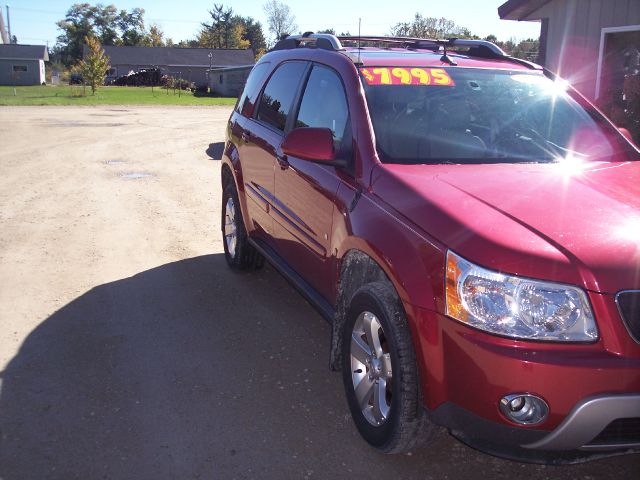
324	103
251	89
278	95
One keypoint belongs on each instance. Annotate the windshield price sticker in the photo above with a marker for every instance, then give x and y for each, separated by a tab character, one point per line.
407	76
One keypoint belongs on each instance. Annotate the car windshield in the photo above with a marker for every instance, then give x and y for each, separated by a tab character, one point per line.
465	115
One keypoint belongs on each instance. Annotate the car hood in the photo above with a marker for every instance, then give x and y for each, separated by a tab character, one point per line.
570	223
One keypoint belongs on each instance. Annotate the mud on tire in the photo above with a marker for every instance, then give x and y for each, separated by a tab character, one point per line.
380	372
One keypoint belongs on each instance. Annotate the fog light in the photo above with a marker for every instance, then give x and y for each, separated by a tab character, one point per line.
524	409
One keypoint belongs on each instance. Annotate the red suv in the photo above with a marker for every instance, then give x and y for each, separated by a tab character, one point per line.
468	224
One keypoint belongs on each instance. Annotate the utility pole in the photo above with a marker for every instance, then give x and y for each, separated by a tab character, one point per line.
9	24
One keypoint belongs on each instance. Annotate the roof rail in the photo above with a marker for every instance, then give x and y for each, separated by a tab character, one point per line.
433	43
406	42
477	48
325	41
492	47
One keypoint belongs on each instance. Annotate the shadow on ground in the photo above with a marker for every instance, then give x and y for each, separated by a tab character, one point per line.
190	371
215	150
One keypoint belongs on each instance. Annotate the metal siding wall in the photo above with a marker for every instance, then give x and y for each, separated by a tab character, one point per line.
5	72
634	12
562	16
573	40
593	25
620	11
30	77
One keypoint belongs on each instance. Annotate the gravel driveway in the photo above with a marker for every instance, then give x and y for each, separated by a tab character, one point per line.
129	350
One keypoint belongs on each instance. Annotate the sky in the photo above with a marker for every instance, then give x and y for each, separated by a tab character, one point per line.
33	21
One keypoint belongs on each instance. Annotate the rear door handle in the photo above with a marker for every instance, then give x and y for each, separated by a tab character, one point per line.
246	137
282	161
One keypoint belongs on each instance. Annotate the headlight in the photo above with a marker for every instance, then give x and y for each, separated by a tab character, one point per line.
517	307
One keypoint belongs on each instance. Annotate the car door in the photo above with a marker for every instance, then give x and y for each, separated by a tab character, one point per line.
260	135
305	191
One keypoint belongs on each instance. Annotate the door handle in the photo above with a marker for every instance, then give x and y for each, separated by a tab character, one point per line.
282	161
246	137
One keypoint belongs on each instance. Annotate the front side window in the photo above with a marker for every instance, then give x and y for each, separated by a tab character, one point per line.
324	103
463	115
278	95
19	68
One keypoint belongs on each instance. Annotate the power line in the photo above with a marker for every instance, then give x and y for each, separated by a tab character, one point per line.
172	21
38	39
36	10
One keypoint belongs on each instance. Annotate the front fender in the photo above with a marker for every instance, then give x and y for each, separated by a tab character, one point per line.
413	262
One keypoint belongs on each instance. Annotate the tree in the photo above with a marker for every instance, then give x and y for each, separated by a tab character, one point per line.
218	33
280	19
132	27
94	66
107	24
527	49
238	37
188	44
227	30
77	24
155	37
430	27
253	33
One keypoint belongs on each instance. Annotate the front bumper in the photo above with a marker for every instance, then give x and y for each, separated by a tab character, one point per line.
531	445
584	426
592	390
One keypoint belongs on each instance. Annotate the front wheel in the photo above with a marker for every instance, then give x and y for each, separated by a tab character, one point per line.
238	252
380	373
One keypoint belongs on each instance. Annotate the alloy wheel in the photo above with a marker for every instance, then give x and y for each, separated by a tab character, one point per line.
230	228
371	370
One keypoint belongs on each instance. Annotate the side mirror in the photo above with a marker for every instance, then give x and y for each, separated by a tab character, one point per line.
626	133
307	143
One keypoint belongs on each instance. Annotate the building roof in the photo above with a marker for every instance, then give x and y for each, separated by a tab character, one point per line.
173	56
519	9
24	52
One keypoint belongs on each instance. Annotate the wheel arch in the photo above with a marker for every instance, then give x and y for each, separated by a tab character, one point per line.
356	268
231	171
226	175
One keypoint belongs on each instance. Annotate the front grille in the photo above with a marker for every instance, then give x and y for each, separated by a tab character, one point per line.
623	431
629	306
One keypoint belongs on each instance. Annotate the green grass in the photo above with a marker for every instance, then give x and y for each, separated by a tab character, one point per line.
73	95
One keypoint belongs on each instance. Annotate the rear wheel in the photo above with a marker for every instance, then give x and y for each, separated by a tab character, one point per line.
380	373
238	252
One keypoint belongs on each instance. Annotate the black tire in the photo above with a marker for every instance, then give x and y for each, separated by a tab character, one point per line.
240	254
406	425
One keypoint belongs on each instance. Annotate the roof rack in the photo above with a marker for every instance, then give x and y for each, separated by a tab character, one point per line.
324	41
476	48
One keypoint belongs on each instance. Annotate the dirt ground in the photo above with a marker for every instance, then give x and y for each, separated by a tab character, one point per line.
129	350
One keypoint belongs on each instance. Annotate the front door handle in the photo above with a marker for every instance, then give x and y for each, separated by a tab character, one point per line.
282	161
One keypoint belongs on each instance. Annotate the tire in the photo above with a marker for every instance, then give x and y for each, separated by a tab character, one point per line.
239	253
382	383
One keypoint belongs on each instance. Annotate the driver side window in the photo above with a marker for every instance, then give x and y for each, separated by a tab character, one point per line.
324	103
